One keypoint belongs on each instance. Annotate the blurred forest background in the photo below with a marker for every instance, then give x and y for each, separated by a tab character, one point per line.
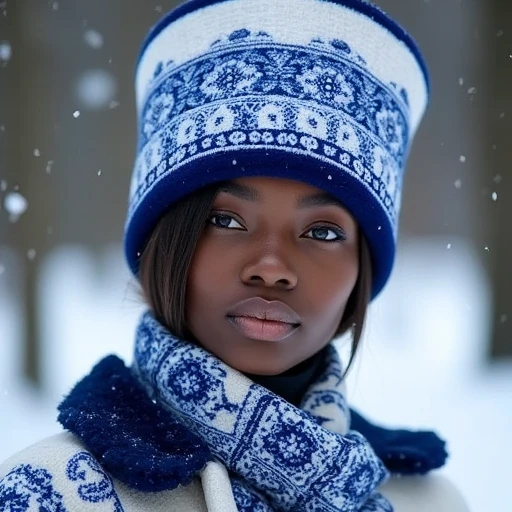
67	144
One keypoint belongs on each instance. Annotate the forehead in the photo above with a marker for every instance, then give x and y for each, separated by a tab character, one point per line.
263	190
269	184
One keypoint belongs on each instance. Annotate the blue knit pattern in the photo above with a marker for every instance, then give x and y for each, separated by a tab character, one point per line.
250	92
27	487
252	106
364	7
93	484
283	459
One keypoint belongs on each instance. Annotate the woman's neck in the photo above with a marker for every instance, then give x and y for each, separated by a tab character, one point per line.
292	384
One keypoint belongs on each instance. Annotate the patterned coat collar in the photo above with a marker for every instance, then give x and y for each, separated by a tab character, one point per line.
144	446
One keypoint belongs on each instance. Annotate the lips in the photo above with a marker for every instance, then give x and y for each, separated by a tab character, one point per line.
259	319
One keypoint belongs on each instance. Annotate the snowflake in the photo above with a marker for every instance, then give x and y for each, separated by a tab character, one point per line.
157	113
310	143
327	84
348	139
255	137
390	129
288	445
271	116
282	139
228	78
311	122
237	137
267	137
186	132
191	382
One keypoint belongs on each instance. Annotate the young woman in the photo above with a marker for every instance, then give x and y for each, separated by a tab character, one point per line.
262	220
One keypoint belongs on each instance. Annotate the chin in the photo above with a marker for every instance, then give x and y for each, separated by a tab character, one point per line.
249	365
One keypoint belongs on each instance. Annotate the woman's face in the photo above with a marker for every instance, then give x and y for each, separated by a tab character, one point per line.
272	274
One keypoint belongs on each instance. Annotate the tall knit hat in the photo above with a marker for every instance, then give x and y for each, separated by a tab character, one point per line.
327	92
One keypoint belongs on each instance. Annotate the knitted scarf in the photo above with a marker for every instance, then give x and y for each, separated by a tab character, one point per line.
279	457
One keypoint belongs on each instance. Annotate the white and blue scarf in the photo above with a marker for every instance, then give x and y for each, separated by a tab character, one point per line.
279	457
155	426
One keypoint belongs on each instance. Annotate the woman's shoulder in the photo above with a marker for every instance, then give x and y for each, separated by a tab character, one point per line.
59	473
51	474
47	473
423	493
50	452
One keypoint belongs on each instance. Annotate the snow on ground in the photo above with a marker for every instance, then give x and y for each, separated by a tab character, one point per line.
422	363
423	366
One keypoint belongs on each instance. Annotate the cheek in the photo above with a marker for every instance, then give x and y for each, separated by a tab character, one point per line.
329	293
206	279
197	286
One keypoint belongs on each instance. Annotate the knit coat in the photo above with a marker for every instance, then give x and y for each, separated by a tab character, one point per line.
88	487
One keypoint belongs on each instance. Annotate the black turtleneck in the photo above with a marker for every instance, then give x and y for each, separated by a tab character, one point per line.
293	383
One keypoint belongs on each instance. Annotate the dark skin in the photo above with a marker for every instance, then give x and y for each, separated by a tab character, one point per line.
280	240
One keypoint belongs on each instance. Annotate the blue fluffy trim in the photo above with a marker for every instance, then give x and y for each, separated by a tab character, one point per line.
145	447
135	440
402	451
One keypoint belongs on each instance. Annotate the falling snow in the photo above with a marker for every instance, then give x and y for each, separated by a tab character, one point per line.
16	205
96	88
93	39
5	52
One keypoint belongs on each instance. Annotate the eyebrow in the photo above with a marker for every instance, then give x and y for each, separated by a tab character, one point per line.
248	193
241	191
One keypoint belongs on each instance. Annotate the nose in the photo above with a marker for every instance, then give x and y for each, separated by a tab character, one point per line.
269	269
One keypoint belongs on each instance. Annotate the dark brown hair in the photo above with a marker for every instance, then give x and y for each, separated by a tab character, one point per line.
166	260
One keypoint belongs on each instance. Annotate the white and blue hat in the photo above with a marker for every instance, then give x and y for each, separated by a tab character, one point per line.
328	92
